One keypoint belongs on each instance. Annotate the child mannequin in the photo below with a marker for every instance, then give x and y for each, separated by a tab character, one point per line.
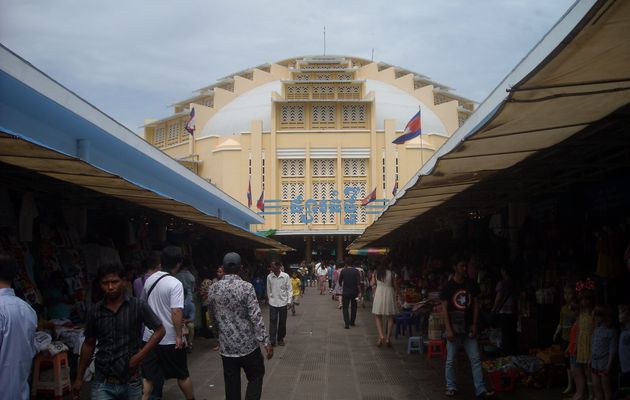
604	350
568	314
581	351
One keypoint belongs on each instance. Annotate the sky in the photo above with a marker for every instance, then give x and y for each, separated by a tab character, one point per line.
132	59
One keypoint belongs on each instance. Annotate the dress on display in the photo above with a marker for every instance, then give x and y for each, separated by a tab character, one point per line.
384	297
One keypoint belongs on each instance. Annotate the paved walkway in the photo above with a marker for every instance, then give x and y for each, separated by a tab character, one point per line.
321	361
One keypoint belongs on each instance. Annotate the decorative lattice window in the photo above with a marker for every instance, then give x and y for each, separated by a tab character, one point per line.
159	136
323	190
323	116
302	77
355	167
292	116
360	193
344	77
289	218
352	92
324	92
354	116
461	118
208	102
297	92
323	77
292	168
173	133
291	190
440	98
323	167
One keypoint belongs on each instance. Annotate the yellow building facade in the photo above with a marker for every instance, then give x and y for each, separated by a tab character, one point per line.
313	137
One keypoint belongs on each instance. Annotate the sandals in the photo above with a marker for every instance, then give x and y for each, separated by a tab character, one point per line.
450	392
388	343
379	343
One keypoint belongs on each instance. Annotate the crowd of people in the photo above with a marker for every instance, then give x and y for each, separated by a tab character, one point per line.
140	329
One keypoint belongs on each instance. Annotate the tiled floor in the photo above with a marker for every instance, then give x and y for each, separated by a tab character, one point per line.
324	361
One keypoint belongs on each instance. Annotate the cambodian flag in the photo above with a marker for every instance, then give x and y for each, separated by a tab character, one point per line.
412	130
249	194
190	124
369	198
260	204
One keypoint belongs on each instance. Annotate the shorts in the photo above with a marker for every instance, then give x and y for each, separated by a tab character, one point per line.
599	372
166	362
573	362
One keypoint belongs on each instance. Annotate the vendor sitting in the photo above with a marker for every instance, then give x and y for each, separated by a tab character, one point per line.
57	298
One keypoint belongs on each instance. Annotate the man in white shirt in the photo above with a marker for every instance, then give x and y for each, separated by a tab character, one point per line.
279	294
165	295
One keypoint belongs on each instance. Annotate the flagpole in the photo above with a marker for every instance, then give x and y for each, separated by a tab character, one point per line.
421	148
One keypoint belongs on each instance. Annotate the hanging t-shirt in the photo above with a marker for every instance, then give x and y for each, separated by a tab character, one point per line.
167	294
459	303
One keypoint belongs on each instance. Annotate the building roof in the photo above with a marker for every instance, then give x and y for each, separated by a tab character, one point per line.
255	104
575	77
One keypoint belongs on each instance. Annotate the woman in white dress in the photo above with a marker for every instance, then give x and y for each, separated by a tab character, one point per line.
385	288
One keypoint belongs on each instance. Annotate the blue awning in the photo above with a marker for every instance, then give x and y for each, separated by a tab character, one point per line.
67	138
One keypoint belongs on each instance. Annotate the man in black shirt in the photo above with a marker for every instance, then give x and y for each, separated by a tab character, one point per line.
349	279
116	323
461	312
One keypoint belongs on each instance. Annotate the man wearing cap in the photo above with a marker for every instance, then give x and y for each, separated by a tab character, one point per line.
241	329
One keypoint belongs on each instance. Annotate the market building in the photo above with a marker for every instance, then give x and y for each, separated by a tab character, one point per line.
305	140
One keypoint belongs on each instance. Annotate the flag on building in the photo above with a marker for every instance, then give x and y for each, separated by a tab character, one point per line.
190	124
249	193
260	204
412	130
369	198
395	189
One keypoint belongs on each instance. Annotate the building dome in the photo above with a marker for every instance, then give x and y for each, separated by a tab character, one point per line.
390	103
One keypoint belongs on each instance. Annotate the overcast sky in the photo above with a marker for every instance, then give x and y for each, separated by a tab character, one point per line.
132	59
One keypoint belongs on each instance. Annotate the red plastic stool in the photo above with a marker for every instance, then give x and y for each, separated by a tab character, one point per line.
436	348
55	381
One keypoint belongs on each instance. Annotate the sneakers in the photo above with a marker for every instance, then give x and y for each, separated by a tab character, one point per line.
485	395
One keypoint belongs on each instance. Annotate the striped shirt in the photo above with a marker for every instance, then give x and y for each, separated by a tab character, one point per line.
119	335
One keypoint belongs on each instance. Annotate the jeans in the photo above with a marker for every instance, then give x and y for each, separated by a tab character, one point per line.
349	299
110	391
254	366
472	351
278	323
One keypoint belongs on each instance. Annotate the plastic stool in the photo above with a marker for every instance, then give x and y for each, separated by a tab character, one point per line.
403	322
415	344
436	348
56	381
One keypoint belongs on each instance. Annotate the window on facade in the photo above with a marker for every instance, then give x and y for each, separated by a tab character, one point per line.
292	116
349	92
323	92
172	135
462	117
360	186
297	92
353	116
355	167
159	136
323	189
323	116
323	167
292	168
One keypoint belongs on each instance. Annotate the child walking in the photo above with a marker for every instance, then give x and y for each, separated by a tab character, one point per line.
296	286
604	350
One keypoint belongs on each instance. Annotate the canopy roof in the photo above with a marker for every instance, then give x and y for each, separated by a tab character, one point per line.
47	129
576	80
